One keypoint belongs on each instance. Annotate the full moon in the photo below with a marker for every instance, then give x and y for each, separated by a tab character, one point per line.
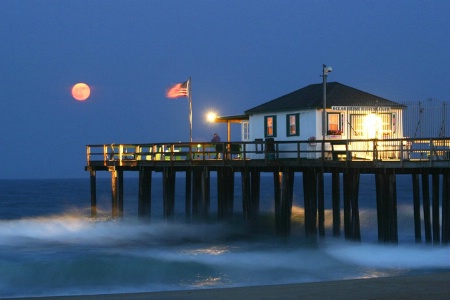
81	91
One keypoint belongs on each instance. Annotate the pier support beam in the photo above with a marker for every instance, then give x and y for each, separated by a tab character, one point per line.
116	192
169	192
246	195
255	192
321	203
310	202
386	193
145	188
426	206
284	189
93	183
250	196
416	201
435	208
351	207
188	195
200	193
446	208
336	202
225	193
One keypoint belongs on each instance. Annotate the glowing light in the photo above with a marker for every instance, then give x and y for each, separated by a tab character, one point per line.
211	116
373	126
81	91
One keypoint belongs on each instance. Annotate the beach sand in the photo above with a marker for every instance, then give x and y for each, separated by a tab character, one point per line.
429	286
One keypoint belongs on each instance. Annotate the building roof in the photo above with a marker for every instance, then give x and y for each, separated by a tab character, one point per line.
232	119
311	97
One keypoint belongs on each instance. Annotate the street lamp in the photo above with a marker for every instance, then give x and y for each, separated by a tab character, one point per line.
325	71
211	117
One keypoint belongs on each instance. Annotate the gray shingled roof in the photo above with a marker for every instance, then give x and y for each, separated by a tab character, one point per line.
311	97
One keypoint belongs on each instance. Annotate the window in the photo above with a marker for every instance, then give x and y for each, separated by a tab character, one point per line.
356	126
245	131
334	124
386	124
270	126
371	126
292	125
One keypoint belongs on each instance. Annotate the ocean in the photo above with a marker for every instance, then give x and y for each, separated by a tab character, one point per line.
49	244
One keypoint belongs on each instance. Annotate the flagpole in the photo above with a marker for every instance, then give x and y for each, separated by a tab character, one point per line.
190	109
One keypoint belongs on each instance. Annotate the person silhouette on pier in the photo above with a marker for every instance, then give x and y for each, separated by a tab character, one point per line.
219	147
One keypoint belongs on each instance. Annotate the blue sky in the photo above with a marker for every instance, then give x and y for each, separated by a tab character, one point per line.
238	53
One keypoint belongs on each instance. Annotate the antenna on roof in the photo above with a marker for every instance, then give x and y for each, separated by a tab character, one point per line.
325	71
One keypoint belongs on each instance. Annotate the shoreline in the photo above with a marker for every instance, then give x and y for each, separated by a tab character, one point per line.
427	286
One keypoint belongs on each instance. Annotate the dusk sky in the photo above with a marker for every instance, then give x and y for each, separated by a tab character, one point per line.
239	54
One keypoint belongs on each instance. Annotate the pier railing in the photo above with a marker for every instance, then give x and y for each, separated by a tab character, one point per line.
412	149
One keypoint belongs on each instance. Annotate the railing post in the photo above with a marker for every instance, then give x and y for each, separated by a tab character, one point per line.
88	154
105	153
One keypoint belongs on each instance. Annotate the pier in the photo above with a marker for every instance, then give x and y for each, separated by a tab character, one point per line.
425	160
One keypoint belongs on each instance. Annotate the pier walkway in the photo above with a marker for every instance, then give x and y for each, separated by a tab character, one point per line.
423	159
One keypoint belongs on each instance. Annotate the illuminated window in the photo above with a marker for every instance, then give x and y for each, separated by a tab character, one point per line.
334	124
357	130
386	124
292	125
270	126
380	126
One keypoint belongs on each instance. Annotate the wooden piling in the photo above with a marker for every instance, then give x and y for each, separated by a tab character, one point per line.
416	201
351	207
347	204
435	208
116	192
221	197
446	208
225	193
277	200
196	193
392	207
255	192
386	194
250	196
246	192
188	195
381	207
93	183
310	202
206	191
200	193
336	199
426	206
145	187
321	203
169	192
286	178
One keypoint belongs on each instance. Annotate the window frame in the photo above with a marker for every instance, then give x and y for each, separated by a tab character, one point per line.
246	130
289	125
338	123
274	126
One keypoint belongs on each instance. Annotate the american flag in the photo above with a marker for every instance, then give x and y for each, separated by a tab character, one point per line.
178	90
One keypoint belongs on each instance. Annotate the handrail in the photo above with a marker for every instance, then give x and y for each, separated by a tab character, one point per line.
356	149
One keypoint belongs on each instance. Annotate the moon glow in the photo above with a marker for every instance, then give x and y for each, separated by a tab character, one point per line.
81	91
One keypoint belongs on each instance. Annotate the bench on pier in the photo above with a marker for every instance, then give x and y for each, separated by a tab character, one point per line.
235	149
340	148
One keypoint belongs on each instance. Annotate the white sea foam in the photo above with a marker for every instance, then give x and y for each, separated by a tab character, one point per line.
392	256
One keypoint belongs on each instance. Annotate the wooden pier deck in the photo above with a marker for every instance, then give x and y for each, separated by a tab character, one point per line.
422	158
